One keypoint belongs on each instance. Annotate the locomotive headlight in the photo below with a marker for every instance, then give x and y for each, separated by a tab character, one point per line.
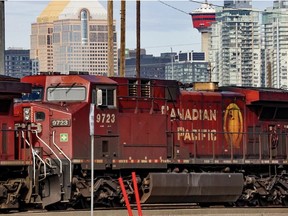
26	114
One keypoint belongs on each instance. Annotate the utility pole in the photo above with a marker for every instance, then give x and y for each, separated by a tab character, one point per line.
277	53
110	38
2	37
269	75
123	38
138	38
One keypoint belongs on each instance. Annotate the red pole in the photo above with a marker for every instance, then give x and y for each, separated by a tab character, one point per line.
125	196
136	194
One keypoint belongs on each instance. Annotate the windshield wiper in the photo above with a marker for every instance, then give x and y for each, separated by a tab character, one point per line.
70	87
54	88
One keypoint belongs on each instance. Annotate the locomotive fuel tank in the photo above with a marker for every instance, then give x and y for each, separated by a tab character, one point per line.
192	187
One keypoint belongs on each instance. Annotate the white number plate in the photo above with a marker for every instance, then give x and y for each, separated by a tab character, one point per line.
60	123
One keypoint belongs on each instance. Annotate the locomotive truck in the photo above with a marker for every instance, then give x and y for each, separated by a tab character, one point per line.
192	143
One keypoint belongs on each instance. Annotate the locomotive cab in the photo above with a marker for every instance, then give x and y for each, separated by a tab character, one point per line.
56	117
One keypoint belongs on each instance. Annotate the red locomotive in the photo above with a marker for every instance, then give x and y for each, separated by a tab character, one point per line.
187	143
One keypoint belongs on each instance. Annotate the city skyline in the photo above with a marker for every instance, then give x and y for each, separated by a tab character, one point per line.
170	30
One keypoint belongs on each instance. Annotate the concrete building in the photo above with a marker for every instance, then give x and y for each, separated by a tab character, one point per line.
235	45
150	66
275	22
188	67
72	36
17	62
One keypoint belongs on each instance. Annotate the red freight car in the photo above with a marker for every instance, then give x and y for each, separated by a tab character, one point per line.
187	143
12	168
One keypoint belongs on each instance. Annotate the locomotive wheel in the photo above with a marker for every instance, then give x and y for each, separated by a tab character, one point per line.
84	203
254	202
116	204
285	201
229	205
240	203
56	206
81	203
4	211
204	205
263	201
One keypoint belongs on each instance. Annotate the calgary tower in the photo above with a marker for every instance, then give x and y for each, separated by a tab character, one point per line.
202	19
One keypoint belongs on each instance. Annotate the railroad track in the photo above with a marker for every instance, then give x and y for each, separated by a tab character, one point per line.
174	209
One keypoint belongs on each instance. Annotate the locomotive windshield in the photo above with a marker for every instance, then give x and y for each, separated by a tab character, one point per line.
35	95
70	93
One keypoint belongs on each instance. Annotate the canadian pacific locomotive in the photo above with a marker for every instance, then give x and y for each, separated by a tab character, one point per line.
195	143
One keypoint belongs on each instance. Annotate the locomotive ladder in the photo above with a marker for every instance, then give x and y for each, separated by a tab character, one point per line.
60	162
34	155
62	152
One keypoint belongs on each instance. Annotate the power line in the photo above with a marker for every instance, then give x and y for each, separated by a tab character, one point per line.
222	6
171	45
173	7
243	9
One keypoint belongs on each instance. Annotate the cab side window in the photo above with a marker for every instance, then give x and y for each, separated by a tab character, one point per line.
106	97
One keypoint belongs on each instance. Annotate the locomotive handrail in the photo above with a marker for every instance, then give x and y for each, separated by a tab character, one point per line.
34	161
263	151
62	152
140	97
60	162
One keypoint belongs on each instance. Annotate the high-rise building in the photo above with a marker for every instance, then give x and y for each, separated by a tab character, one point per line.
188	67
17	62
275	22
72	36
235	46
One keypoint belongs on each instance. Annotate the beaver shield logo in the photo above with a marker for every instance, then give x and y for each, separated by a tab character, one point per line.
233	125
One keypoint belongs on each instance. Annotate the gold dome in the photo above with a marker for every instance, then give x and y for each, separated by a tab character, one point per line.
52	11
70	9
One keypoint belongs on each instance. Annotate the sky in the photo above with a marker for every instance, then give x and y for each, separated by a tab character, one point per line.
165	25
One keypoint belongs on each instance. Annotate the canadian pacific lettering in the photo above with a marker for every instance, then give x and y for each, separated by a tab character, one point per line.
191	114
196	134
193	134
